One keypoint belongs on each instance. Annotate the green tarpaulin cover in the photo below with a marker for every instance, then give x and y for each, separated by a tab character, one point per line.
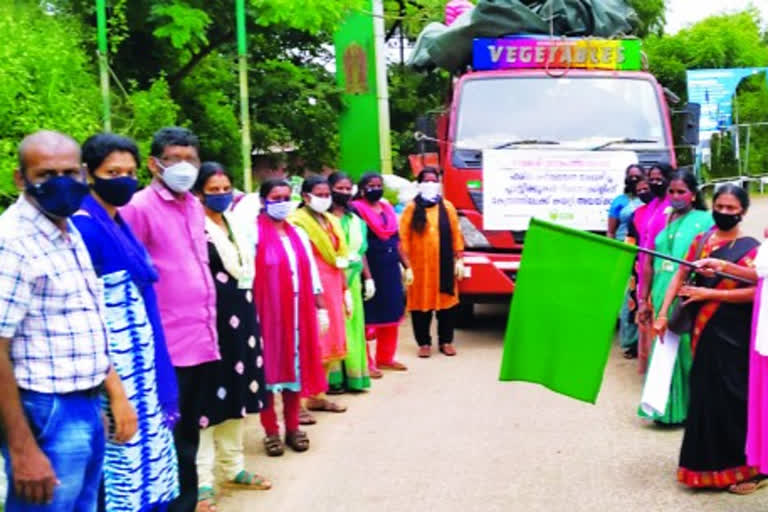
570	288
450	48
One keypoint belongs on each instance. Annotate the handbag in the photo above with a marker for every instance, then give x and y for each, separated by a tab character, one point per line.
683	315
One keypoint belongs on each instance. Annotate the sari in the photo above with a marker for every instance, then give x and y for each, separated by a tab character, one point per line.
675	240
712	453
649	220
352	372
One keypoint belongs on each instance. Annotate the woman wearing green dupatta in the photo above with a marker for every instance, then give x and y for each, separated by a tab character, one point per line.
351	374
687	219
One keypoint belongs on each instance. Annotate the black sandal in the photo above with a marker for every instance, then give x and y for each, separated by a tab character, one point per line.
297	440
273	445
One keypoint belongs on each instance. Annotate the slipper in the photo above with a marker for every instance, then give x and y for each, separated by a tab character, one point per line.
394	365
305	418
273	445
297	440
247	481
206	500
447	349
757	485
375	373
336	391
323	405
425	351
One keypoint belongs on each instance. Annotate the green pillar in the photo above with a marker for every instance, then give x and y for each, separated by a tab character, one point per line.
103	52
245	118
361	74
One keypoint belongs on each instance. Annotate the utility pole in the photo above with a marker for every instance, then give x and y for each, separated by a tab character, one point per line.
245	117
103	53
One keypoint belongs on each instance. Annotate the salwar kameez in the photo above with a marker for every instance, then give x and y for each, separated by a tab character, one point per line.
352	373
675	240
712	453
384	312
627	316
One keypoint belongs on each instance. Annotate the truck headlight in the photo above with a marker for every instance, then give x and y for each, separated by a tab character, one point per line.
473	237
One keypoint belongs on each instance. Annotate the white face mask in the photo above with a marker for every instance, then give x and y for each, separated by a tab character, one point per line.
180	177
319	204
279	211
429	190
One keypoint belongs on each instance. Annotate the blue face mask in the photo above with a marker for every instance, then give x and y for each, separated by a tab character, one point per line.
217	202
59	197
115	191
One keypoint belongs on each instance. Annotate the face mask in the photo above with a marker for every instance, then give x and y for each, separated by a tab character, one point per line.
179	177
217	202
679	204
319	204
659	189
429	190
646	197
631	183
115	191
726	221
341	198
60	196
374	194
279	210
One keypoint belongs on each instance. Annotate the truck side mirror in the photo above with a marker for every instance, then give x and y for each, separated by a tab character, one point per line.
691	117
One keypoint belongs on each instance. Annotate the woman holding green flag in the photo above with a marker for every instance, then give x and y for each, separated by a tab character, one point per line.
351	374
687	218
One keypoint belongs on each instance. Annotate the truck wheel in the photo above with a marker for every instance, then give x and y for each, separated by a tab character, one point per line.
465	315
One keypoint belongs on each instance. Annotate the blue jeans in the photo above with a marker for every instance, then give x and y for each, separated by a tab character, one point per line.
69	430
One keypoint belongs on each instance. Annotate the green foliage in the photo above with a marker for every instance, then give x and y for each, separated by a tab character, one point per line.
47	82
651	16
411	95
312	16
185	26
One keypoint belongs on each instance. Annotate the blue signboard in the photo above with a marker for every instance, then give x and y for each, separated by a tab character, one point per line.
714	89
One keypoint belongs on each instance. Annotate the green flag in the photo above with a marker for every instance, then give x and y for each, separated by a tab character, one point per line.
569	291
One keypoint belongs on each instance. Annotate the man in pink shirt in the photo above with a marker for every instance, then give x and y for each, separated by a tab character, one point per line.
170	221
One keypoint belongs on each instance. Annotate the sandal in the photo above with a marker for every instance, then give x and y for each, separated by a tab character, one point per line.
305	418
375	373
324	405
394	365
206	500
247	481
447	349
273	445
425	351
748	487
297	440
336	391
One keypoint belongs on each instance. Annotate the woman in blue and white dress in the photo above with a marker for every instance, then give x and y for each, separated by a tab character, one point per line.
141	403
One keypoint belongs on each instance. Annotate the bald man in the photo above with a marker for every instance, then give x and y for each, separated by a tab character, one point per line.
53	342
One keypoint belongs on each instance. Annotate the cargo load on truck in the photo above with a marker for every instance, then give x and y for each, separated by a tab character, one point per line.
450	47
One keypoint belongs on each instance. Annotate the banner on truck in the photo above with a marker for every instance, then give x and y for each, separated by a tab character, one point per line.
571	188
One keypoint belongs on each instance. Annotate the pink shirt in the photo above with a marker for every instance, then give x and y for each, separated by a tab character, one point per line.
173	230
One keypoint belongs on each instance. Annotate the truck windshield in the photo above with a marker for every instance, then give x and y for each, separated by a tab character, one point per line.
577	113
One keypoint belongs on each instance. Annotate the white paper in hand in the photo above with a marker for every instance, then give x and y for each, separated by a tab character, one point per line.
659	379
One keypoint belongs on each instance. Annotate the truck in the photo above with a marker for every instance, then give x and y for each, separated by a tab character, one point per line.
572	95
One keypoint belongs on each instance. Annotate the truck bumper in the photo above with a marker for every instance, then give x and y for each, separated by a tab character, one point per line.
488	276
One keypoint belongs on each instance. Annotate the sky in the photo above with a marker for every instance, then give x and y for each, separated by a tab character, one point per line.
681	13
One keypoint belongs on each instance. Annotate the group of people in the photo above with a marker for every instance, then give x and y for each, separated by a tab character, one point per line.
138	328
717	389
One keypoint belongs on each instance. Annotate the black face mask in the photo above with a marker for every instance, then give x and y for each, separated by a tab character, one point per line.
646	197
726	221
340	198
659	189
374	194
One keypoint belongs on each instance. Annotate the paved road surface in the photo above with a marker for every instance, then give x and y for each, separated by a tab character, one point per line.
447	436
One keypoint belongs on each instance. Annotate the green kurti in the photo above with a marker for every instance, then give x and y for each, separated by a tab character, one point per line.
352	373
675	240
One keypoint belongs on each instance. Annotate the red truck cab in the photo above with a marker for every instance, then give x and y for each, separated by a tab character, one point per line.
543	109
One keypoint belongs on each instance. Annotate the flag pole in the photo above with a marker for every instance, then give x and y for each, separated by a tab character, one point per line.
245	119
103	51
692	266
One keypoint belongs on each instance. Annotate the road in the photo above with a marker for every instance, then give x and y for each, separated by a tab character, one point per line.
447	436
